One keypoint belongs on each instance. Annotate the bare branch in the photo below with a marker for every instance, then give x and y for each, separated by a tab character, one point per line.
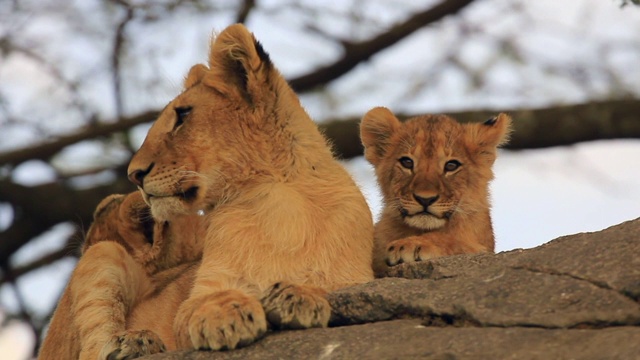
355	53
245	10
47	150
116	55
36	264
534	128
38	208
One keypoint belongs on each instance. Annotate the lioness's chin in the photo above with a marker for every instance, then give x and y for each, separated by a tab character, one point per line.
425	222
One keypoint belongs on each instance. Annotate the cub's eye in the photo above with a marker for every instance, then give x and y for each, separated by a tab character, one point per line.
181	115
406	162
452	165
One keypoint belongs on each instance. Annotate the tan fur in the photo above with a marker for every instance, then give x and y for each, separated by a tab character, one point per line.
131	270
279	207
458	220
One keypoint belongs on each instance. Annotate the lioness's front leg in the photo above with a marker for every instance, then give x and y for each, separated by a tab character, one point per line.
290	306
412	249
218	321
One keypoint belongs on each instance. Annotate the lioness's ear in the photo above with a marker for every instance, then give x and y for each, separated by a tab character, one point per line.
196	74
490	134
376	128
238	62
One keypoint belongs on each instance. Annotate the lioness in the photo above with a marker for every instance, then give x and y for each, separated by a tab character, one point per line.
287	222
131	269
434	174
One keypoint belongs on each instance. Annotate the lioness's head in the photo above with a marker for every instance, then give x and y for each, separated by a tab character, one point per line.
125	219
221	132
432	168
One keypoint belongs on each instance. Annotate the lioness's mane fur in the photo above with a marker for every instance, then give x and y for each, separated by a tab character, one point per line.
237	145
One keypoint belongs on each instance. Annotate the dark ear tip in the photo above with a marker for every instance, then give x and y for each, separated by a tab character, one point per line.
264	56
491	121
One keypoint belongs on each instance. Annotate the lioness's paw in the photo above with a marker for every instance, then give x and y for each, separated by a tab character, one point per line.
290	306
411	249
132	344
219	321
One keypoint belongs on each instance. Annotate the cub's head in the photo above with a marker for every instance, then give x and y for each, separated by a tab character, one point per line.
204	144
432	169
125	219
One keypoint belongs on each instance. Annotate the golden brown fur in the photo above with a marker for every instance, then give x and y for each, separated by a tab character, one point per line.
434	174
285	218
131	270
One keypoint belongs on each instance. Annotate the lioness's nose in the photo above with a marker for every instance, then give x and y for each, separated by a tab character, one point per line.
137	176
425	202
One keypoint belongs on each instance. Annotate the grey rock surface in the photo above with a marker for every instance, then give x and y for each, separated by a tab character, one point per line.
576	297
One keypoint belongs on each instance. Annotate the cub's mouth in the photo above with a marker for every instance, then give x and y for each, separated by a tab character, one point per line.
444	216
425	220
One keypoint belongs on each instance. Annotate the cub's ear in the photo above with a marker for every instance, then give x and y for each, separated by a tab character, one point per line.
376	129
490	134
238	63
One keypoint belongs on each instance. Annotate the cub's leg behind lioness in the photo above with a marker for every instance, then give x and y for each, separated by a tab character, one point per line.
287	223
128	263
434	174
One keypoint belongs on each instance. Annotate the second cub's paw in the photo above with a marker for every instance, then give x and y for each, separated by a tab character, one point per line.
219	321
132	344
290	306
411	249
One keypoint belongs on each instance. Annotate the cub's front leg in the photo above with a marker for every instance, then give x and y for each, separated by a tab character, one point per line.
221	320
413	249
290	306
132	344
106	283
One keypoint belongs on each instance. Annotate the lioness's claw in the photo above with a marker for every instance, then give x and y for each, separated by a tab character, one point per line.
290	306
220	321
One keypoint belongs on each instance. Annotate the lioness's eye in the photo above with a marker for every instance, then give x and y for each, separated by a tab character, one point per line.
452	165
181	114
406	162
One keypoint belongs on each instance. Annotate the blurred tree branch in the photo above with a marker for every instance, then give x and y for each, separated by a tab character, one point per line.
356	53
38	208
534	128
245	10
46	150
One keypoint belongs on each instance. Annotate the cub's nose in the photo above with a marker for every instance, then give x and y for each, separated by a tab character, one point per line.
137	176
425	202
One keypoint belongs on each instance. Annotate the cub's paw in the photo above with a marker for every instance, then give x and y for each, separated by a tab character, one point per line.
290	306
132	344
219	321
411	249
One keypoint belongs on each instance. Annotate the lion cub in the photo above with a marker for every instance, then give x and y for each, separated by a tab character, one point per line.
131	269
434	174
287	222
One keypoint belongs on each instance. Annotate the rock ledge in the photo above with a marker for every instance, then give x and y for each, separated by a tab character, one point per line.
574	297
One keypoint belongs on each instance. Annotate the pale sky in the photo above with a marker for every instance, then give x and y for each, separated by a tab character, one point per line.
538	195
